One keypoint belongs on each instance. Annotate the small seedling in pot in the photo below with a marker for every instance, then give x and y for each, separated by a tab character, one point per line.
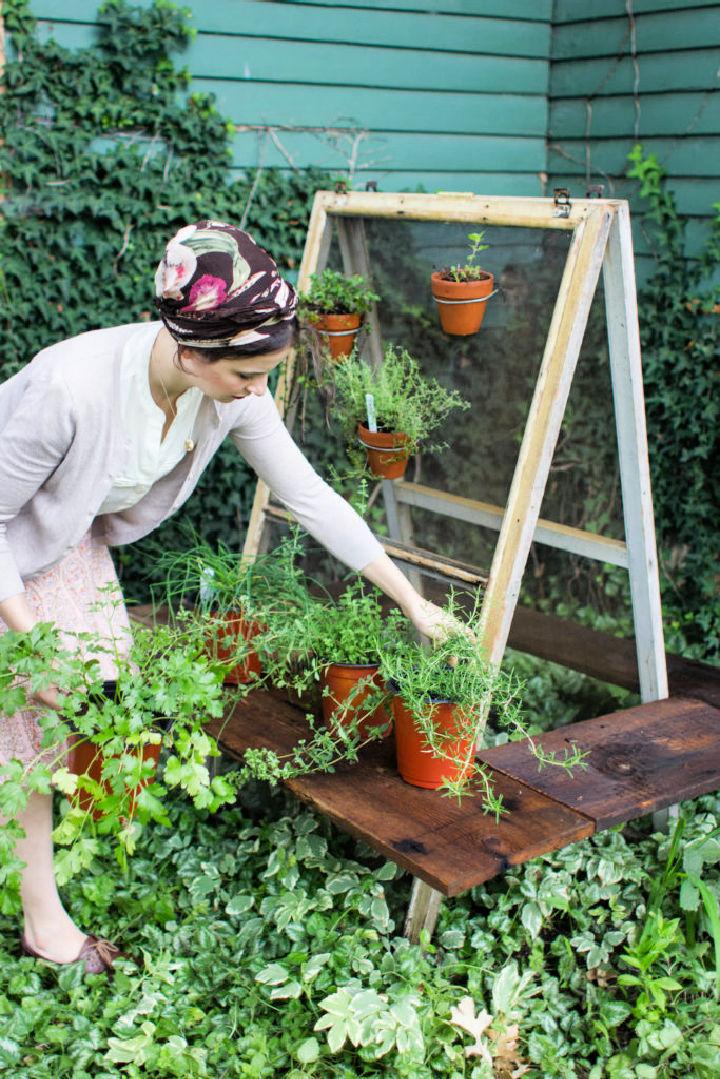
470	270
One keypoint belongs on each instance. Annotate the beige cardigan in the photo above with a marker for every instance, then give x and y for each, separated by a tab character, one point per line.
61	444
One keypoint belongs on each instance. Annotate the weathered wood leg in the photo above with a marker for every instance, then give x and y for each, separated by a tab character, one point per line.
423	910
665	819
626	374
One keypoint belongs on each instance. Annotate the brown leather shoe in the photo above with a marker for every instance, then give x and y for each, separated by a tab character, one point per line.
97	954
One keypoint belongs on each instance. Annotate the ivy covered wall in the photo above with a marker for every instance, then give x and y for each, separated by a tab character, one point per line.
105	152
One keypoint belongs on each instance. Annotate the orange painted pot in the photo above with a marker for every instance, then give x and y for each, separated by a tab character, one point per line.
341	679
417	764
223	647
461	304
85	758
387	452
339	333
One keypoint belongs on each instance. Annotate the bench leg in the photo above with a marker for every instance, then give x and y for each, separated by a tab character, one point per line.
664	819
422	911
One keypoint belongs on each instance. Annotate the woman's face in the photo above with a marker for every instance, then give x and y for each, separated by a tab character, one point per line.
231	379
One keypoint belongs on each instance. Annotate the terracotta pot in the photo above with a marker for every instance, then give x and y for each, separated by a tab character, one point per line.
387	457
341	679
461	304
417	764
230	628
85	758
339	333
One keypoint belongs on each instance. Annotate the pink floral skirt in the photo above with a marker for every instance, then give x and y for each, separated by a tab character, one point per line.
70	595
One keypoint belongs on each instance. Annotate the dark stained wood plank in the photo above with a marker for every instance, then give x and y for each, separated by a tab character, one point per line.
452	847
611	659
640	760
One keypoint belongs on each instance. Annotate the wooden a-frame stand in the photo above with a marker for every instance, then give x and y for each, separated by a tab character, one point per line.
601	240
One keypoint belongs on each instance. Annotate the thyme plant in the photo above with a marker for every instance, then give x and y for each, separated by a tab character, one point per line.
405	399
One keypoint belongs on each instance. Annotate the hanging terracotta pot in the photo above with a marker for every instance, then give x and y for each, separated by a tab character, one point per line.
223	646
338	332
417	764
461	304
85	758
341	679
387	452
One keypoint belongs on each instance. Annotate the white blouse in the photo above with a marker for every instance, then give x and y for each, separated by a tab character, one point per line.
151	456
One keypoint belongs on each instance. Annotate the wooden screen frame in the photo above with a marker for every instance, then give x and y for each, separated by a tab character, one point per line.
601	240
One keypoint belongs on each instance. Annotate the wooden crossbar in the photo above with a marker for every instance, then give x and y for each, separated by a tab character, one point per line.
551	533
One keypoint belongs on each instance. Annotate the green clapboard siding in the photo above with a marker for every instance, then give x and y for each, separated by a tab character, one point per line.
372	110
249	60
369	26
407	152
449	95
664	32
486	183
660	115
491	96
565	11
540	10
600	101
687	69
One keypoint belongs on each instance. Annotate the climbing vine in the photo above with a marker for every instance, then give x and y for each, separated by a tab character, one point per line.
104	154
680	333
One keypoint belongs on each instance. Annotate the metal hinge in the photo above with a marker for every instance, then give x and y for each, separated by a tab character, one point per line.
595	191
371	185
341	187
561	202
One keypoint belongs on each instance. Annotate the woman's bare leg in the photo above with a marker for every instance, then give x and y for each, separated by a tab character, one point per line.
49	929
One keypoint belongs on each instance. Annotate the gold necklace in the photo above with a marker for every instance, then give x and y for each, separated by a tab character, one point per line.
188	444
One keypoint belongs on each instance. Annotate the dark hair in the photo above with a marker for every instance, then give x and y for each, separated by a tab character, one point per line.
282	336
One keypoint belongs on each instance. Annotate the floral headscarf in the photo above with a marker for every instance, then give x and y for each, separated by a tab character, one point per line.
216	288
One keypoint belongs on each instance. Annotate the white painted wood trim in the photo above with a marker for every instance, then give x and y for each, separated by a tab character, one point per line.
565	538
356	260
317	246
520	211
547	408
626	374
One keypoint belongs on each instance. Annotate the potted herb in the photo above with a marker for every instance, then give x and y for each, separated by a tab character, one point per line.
334	305
102	746
442	698
227	592
333	644
461	292
407	406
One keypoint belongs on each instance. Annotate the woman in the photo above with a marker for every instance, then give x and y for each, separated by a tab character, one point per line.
104	436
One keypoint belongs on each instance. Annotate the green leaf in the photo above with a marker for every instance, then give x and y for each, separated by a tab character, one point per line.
308	1051
239	904
273	974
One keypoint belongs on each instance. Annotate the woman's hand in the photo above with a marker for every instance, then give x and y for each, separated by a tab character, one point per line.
433	621
50	697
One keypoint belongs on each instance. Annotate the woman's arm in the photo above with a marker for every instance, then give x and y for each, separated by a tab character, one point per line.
265	443
16	614
429	619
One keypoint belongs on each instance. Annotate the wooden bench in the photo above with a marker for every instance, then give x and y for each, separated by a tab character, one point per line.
639	760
